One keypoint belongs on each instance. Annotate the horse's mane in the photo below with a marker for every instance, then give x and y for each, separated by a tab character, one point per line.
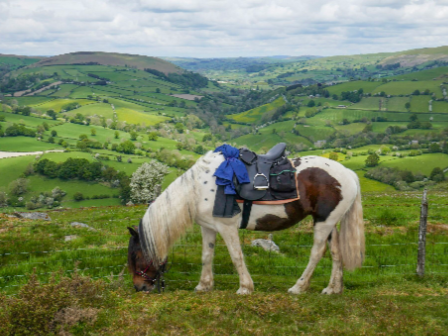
172	213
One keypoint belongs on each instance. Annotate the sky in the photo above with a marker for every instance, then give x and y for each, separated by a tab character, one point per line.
221	28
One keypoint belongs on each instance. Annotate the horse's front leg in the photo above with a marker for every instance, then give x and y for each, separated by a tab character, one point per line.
230	235
208	251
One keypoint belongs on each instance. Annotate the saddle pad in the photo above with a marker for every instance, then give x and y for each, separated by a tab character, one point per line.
271	202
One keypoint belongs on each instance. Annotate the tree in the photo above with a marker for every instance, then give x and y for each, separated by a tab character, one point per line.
45	125
52	114
117	135
372	160
93	132
311	103
333	156
54	133
134	135
435	148
51	140
437	175
179	127
153	136
407	105
146	182
157	90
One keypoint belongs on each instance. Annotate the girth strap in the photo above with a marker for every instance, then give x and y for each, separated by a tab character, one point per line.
247	208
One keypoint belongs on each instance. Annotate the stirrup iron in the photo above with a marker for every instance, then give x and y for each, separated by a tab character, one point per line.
261	185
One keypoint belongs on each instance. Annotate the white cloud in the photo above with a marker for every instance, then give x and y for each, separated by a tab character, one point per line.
220	28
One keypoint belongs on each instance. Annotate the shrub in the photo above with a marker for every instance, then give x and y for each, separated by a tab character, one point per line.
372	160
3	199
146	182
437	175
52	308
78	196
333	156
18	187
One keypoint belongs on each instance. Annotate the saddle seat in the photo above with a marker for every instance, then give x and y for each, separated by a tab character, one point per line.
271	175
274	153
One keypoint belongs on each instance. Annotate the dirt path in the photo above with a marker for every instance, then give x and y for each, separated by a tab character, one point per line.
5	155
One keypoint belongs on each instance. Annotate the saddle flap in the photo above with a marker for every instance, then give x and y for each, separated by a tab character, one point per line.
247	156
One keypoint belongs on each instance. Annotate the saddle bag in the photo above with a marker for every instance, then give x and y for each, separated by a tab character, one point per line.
282	176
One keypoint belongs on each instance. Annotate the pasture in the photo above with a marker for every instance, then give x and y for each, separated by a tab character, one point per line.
384	296
254	115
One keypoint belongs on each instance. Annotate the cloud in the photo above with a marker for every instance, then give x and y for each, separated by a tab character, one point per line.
221	28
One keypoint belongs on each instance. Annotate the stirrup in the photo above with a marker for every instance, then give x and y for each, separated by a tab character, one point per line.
263	186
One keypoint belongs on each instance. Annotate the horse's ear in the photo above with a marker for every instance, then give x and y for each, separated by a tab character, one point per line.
133	232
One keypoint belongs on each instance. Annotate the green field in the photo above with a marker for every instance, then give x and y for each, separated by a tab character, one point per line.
26	120
397	104
25	144
422	163
407	87
353	85
254	115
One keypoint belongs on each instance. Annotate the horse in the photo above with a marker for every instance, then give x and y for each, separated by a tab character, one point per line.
329	193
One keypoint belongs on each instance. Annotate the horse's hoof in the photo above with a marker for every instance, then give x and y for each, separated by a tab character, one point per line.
294	290
244	291
200	288
331	290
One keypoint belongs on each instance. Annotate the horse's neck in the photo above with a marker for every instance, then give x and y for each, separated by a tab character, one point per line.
170	215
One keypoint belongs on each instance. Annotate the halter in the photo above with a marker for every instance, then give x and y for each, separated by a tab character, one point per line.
158	280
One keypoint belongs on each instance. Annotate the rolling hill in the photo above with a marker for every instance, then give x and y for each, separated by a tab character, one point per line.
112	59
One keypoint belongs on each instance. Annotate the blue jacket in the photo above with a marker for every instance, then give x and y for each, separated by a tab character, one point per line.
232	165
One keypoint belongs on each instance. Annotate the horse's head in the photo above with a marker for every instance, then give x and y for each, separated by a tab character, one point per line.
144	275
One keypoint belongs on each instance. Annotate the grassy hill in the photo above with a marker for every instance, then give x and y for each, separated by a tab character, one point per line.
112	59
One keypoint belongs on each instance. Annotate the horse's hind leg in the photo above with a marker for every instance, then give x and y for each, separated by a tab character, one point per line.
321	232
208	251
336	284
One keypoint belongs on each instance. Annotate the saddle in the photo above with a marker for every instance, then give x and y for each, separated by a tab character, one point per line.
272	176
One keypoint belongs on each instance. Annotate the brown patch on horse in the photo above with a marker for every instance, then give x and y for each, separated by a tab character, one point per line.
296	162
320	194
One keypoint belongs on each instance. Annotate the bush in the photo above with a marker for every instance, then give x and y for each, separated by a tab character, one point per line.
146	182
3	199
18	187
53	308
372	160
78	196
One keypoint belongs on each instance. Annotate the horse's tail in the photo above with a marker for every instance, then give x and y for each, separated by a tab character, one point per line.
352	239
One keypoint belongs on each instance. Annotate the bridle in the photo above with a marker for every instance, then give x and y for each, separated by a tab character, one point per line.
158	280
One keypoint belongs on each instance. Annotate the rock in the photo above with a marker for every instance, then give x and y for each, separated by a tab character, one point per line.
69	238
266	244
78	224
33	215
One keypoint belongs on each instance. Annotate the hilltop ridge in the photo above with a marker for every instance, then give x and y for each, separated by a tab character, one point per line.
115	59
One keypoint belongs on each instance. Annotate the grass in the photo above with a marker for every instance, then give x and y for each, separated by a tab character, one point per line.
422	163
407	87
58	104
353	85
25	144
254	115
29	121
370	103
383	297
397	104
